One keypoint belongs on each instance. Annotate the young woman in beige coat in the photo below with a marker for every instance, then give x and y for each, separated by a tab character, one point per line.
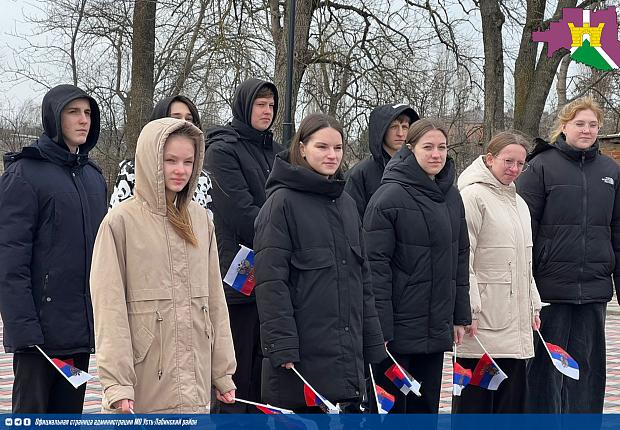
161	324
504	300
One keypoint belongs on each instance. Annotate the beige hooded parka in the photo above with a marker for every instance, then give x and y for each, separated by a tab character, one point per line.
162	332
503	295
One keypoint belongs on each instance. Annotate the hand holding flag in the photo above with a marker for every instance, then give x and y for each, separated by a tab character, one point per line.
240	274
561	359
72	374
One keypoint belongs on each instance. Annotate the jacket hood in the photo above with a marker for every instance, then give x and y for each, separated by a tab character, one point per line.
380	119
245	94
162	109
404	169
54	102
574	153
286	175
150	185
478	173
224	132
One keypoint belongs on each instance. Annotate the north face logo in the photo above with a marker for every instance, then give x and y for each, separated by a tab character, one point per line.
608	180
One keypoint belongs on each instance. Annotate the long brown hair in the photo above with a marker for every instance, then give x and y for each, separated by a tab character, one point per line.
177	211
310	125
569	112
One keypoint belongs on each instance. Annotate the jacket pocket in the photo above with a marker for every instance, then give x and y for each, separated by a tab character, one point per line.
495	298
141	343
312	259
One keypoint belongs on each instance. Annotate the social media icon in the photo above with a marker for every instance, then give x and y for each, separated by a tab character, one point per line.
8	422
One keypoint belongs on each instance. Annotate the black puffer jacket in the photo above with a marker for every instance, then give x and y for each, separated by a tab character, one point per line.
574	202
313	292
364	178
418	248
51	204
239	159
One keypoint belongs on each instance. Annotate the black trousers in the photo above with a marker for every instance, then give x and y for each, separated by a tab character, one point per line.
40	389
426	369
245	328
509	398
580	331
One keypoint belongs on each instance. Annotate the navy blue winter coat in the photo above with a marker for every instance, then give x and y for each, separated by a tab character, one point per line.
51	204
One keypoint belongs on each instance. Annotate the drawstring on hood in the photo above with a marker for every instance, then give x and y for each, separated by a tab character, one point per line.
150	183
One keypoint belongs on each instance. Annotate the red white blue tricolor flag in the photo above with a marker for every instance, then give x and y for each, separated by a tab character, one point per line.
460	378
240	274
385	400
563	361
403	381
487	374
272	410
315	399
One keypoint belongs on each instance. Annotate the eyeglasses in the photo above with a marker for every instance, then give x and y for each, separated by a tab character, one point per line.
509	164
582	124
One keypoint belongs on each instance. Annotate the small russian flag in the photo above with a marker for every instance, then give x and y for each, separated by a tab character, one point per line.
72	374
563	361
271	410
385	400
240	274
403	381
487	374
460	378
314	399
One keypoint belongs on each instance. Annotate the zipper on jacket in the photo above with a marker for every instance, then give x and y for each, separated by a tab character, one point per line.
204	314
45	280
160	321
584	224
510	271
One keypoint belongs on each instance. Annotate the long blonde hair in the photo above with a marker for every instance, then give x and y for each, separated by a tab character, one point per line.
177	211
569	111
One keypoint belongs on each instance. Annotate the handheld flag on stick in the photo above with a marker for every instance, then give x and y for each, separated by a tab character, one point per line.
72	374
313	398
561	359
403	380
460	376
240	274
487	373
266	408
385	400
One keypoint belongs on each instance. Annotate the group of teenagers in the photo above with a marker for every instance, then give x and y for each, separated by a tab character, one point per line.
397	254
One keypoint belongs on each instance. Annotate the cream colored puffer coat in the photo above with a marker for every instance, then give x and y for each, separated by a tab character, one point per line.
162	332
503	294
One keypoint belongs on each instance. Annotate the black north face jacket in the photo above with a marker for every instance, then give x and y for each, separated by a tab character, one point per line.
574	201
51	204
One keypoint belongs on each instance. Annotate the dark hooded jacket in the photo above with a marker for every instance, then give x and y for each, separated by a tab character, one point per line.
364	178
574	201
239	159
313	291
418	248
52	202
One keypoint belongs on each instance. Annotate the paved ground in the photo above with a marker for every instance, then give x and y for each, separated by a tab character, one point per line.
612	398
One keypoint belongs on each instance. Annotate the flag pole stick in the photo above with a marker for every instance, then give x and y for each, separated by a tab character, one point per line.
329	404
260	404
374	388
396	363
544	343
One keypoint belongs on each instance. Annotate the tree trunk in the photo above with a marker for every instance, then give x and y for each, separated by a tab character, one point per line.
142	67
492	22
561	84
301	55
533	79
